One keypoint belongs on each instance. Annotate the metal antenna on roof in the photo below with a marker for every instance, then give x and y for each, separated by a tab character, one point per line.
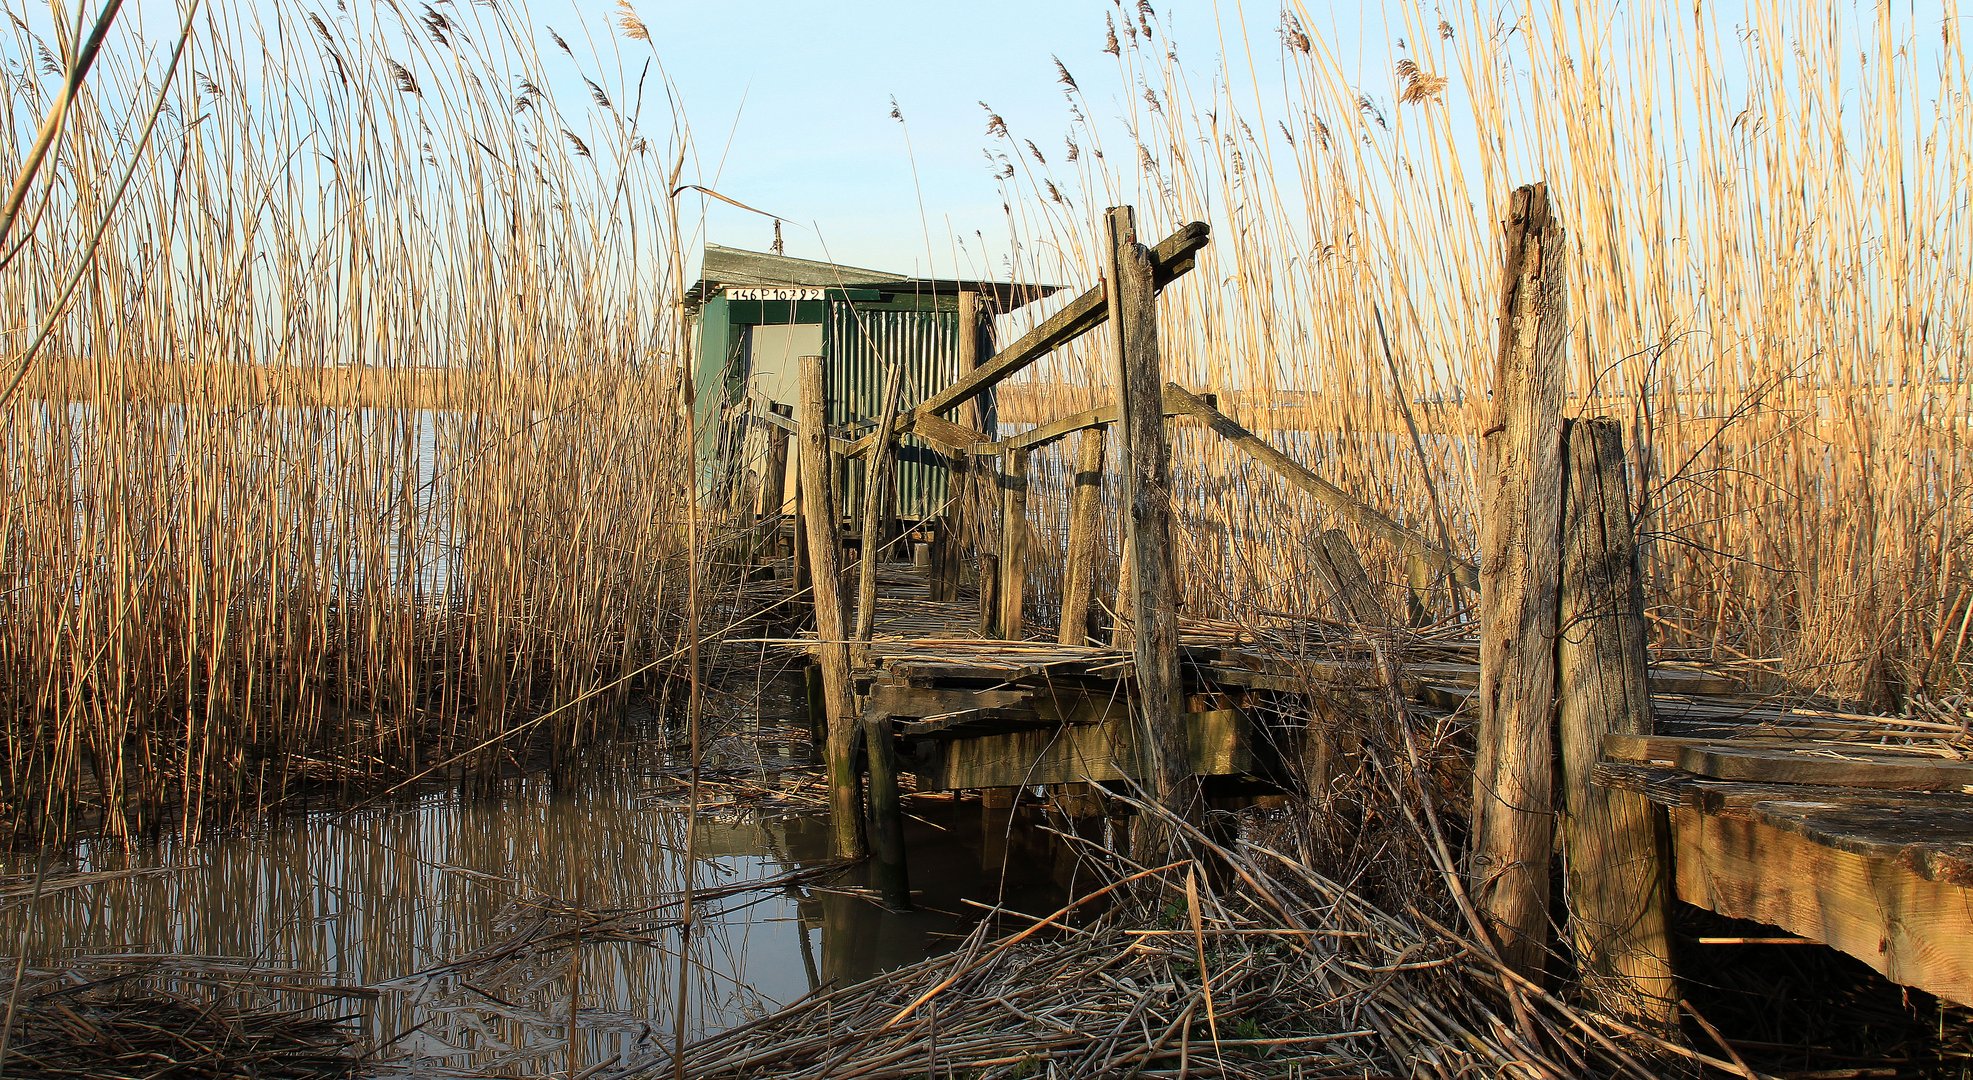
777	238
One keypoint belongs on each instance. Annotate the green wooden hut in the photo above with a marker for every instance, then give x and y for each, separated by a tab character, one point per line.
754	313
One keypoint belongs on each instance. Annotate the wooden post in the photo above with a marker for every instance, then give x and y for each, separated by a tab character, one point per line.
773	484
1079	572
973	337
1348	586
1133	301
1615	843
1520	564
876	491
1013	543
831	642
989	595
886	823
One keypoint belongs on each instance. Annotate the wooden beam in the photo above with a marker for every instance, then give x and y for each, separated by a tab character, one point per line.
1342	503
1181	404
1520	563
1085	509
1146	466
1778	765
1013	544
1173	256
1912	929
1615	845
832	645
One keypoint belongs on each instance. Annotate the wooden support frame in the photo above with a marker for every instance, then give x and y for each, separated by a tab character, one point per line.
1345	505
1174	255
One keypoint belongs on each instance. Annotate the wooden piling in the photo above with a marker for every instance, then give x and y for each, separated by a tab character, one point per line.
1133	300
1615	843
877	472
887	869
1520	564
1343	578
774	477
831	640
972	345
1085	505
989	595
1013	544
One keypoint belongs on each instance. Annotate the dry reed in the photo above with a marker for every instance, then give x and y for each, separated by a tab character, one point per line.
1767	244
250	538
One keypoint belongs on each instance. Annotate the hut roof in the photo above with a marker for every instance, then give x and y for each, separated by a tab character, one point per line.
727	267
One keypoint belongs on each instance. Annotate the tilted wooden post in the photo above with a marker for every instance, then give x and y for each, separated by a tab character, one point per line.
1079	570
1013	543
1146	468
878	470
886	812
1520	565
831	639
989	595
1615	843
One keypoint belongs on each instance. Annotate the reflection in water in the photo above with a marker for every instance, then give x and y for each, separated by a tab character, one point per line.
479	920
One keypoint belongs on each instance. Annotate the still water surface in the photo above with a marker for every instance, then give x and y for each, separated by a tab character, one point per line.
457	918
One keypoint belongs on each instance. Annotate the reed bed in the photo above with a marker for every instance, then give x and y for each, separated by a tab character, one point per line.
250	542
1234	961
1767	247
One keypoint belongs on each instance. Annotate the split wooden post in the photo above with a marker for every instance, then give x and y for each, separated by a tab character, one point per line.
1079	572
1615	844
877	472
831	641
1013	543
1133	303
1520	565
989	595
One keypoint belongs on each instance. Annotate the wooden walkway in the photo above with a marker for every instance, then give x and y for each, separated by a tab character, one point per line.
1848	829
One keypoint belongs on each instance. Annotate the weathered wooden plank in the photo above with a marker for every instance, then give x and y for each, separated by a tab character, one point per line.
1079	563
1781	766
1343	578
1913	929
1146	469
774	477
1178	403
832	646
901	700
1520	564
1215	744
1341	502
1173	256
1615	847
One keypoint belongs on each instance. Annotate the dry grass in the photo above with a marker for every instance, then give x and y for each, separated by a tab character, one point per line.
248	539
1768	241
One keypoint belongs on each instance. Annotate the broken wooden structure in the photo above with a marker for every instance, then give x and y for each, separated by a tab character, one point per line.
1649	781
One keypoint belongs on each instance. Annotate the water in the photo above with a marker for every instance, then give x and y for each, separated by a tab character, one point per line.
453	916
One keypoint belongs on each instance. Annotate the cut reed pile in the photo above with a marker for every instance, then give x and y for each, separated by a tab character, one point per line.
217	584
1274	971
1767	243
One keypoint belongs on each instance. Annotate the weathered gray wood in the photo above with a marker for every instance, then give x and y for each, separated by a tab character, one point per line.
1146	467
1340	502
1520	564
1174	255
888	871
1013	544
1344	579
832	646
1615	845
1085	508
974	333
1178	403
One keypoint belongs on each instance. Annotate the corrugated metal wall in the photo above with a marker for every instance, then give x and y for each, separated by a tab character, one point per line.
860	346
